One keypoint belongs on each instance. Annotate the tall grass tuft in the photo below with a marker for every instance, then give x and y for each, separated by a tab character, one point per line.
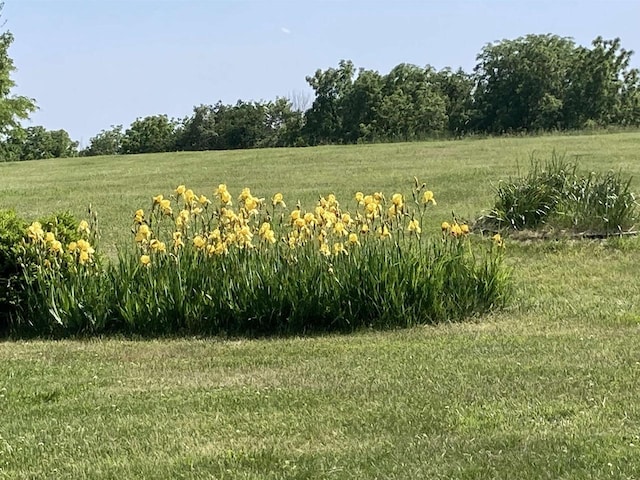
554	194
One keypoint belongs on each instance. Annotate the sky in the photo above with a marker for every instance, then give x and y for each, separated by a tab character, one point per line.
91	64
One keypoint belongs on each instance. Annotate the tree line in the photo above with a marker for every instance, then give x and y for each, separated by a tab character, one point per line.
531	84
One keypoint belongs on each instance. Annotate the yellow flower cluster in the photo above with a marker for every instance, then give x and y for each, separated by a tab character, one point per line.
455	229
48	244
215	228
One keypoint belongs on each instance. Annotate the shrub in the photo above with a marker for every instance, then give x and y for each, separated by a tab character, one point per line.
598	202
11	233
556	195
29	255
203	267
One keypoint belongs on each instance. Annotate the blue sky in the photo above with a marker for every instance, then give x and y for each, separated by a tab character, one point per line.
91	64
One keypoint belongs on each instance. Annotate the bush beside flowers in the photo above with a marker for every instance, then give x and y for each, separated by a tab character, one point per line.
24	252
249	265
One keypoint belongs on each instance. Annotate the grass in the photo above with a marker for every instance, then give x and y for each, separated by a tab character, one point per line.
547	389
459	172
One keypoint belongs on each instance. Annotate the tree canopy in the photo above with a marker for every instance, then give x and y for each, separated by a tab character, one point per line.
528	84
13	108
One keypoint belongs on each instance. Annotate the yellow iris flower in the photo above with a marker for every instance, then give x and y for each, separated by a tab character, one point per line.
137	218
177	240
84	257
55	247
165	205
278	199
143	234
324	249
339	228
428	197
199	242
309	219
414	226
221	249
85	246
251	203
158	246
225	197
383	232
246	193
35	231
268	235
83	226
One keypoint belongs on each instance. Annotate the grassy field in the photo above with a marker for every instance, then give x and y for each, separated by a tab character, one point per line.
546	389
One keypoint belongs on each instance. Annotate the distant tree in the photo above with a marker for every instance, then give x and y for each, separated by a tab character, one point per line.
62	145
241	125
283	124
36	143
107	142
412	107
361	107
156	133
13	108
457	90
520	84
198	132
603	89
324	120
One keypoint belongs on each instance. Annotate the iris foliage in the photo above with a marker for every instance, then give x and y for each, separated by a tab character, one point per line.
249	266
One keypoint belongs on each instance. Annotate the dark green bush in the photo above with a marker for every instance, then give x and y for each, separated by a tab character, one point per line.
12	230
16	264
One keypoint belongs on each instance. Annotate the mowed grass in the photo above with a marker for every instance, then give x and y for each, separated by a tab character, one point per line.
546	389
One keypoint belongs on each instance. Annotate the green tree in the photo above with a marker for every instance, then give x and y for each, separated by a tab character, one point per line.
324	119
283	124
457	90
603	89
361	107
412	107
13	108
198	132
36	143
156	133
241	125
107	142
520	84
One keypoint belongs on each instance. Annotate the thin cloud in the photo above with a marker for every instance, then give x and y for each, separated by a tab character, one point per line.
285	30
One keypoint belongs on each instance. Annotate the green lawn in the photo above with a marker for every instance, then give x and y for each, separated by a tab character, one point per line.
546	389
